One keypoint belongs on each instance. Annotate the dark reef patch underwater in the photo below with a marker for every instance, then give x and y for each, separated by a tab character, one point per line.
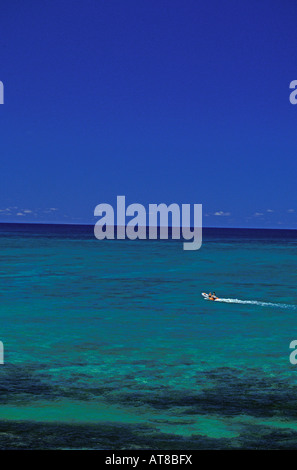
41	436
229	396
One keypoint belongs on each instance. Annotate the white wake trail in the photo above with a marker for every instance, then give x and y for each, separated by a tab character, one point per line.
256	302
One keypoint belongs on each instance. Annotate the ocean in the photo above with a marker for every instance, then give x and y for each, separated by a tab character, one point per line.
110	345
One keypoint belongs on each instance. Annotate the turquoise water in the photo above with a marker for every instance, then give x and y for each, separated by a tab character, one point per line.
110	345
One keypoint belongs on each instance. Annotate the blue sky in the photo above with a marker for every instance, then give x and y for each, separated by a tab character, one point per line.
160	101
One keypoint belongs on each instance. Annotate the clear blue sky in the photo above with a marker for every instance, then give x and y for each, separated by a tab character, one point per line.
161	101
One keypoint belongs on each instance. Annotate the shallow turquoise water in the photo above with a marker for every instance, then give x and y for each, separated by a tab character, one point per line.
113	341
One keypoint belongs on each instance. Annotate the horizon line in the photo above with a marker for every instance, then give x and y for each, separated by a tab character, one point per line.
147	226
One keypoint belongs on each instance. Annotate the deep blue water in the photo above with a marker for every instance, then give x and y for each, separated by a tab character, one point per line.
109	344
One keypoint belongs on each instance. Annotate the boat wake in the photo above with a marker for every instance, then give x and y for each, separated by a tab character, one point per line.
256	302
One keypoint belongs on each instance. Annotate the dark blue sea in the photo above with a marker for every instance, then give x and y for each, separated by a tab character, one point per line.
110	345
